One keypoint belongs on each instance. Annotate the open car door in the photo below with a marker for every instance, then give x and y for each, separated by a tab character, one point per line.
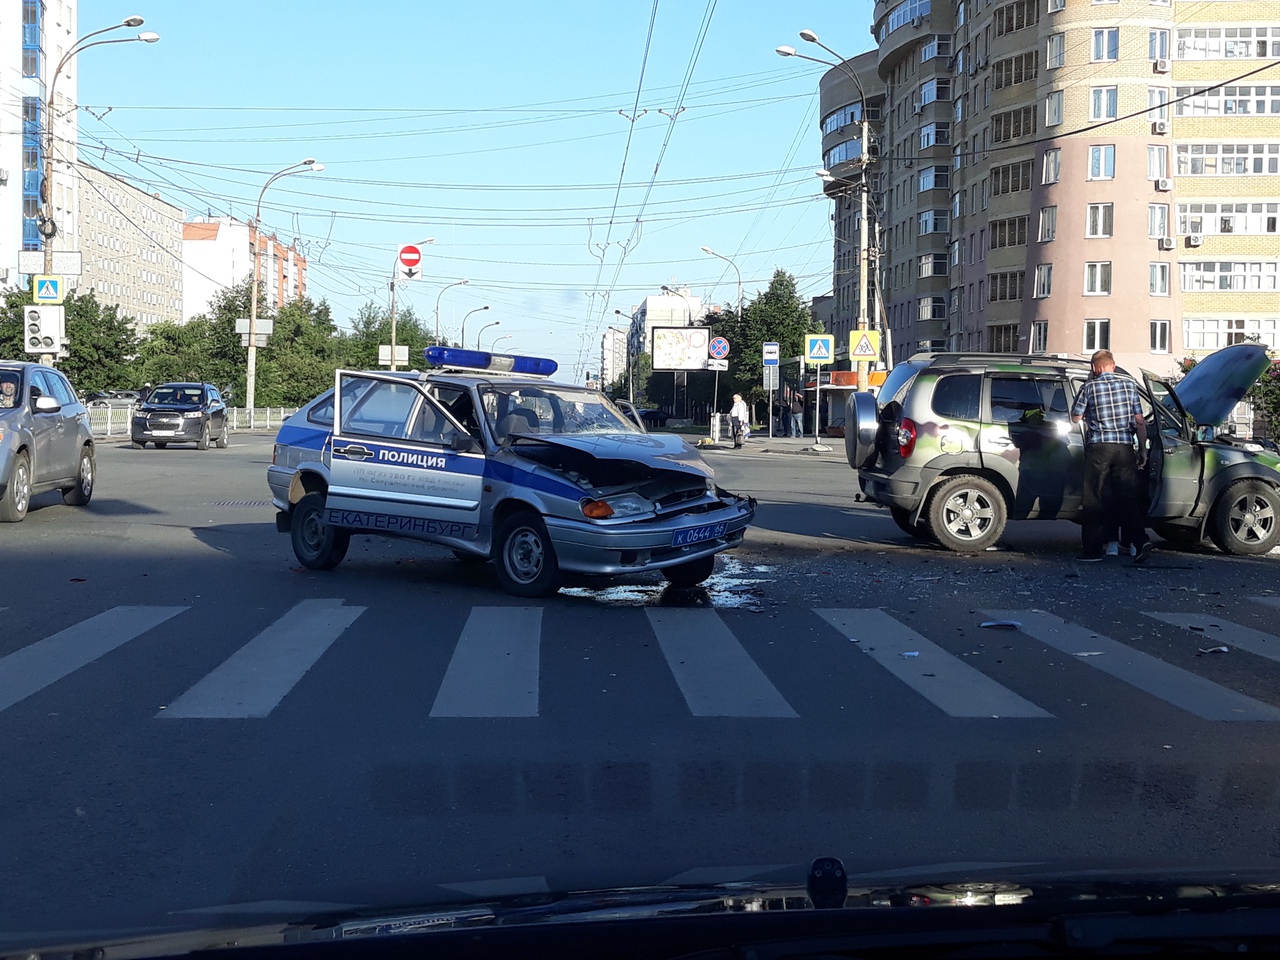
1176	470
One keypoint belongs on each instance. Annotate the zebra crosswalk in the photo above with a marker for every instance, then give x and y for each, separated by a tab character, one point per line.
504	659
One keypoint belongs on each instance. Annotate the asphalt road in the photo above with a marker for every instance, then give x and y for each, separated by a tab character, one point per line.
193	727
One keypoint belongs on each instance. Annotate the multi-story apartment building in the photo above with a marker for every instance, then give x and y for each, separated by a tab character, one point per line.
217	252
130	243
613	354
677	308
1062	175
34	34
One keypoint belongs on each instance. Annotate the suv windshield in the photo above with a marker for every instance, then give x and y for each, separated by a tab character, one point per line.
176	395
551	409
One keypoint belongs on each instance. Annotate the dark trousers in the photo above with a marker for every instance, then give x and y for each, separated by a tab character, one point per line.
1113	497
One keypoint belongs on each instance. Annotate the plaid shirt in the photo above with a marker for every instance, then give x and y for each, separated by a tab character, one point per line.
1108	405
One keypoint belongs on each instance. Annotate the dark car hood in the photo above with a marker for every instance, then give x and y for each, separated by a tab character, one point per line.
1217	383
661	449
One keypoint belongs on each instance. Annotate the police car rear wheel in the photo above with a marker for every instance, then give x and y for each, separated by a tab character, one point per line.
691	572
317	545
526	560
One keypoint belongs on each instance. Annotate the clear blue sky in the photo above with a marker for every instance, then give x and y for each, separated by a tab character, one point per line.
495	128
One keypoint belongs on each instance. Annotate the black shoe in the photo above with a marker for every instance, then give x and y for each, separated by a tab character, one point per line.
1144	553
1089	558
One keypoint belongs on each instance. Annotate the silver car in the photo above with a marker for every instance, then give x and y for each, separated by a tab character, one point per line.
542	478
45	439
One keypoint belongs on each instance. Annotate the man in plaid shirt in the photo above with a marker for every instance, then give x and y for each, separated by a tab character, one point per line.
1110	408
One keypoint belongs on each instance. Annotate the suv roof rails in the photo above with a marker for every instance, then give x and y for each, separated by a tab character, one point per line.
1026	359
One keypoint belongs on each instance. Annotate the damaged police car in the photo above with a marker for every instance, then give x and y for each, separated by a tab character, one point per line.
489	457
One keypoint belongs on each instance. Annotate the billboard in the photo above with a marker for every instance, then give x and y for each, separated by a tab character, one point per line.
680	348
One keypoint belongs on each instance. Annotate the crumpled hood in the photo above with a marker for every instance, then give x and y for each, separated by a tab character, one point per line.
1217	383
663	450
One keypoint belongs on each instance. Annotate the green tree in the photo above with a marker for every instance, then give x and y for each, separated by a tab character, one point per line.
102	351
371	327
303	351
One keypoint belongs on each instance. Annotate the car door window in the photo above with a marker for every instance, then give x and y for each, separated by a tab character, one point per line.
1016	400
459	404
60	388
385	410
958	397
40	386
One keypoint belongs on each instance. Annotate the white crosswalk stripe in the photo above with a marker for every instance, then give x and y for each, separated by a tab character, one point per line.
1216	631
1183	689
33	668
494	671
943	679
714	672
254	679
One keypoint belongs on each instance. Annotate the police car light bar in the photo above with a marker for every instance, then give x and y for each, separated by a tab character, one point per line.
483	360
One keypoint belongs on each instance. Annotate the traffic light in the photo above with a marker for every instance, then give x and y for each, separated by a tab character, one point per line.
43	329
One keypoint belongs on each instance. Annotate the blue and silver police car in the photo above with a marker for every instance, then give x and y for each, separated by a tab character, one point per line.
485	454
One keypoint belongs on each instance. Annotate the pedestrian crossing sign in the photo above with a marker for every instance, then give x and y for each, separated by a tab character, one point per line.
819	348
46	289
864	345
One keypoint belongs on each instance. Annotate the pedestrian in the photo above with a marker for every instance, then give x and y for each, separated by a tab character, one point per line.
739	416
797	416
1111	409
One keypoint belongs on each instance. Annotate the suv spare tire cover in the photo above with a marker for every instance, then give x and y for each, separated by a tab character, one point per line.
861	426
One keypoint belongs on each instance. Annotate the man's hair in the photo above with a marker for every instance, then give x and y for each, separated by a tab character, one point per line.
1102	357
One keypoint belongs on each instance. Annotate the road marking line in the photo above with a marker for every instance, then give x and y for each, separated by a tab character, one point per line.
495	666
1215	630
940	677
33	668
1182	688
254	679
713	670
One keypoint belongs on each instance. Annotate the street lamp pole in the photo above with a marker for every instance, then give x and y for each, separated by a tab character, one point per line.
394	271
715	396
456	283
864	249
482	330
497	340
462	341
46	225
251	371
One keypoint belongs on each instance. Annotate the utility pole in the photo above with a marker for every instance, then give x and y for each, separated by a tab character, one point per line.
864	243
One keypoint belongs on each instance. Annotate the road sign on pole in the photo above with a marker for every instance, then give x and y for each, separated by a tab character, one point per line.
47	289
819	348
770	354
384	354
864	345
717	364
66	263
408	260
771	378
718	348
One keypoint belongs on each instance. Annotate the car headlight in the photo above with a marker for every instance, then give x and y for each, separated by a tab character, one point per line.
193	415
622	506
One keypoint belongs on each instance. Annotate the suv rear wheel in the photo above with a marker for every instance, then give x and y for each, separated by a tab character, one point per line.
1246	518
966	513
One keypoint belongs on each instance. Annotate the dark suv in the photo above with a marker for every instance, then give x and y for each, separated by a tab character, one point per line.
956	445
181	413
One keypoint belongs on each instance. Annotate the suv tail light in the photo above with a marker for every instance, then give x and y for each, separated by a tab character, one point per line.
906	437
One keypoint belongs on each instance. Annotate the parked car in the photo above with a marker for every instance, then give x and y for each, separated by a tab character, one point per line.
654	419
957	445
181	413
540	477
118	399
45	439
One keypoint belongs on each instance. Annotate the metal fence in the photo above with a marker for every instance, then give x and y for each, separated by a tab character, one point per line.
114	421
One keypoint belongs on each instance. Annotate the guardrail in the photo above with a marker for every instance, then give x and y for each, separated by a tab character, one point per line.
114	421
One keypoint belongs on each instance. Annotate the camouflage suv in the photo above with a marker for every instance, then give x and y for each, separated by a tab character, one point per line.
956	445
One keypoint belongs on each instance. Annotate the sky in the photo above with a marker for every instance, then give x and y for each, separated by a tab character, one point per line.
568	158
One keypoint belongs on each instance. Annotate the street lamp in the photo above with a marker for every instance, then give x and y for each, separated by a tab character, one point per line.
394	271
45	223
865	158
497	340
715	396
251	373
482	330
462	341
456	283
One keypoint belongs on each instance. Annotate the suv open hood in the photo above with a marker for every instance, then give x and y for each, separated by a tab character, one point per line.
1218	382
671	450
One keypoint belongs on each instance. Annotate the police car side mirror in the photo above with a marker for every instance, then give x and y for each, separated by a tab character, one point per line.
461	443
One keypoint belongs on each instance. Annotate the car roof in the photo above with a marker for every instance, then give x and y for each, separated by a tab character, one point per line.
180	383
1004	361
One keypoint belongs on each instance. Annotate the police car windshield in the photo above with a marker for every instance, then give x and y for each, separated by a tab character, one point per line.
550	409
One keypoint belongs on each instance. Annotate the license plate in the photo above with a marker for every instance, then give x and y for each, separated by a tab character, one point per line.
712	531
163	433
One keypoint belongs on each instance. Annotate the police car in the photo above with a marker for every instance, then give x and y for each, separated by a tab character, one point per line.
486	455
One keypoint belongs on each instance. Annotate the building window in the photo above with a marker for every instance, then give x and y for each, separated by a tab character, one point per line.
1102	162
1010	178
1205	333
1002	338
1014	70
1205	276
1016	16
933	265
1228	43
1230	101
1159	279
1055	51
1097	335
1056	5
1102	103
1048	223
956	255
1009	233
1097	278
1052	165
1106	45
938	45
1157	220
1099	220
901	15
1227	159
1043	280
1012	124
934	134
1249	218
932	90
934	178
1159	336
1039	336
932	221
847	115
1006	286
1157	162
1053	108
931	308
1158	101
1158	45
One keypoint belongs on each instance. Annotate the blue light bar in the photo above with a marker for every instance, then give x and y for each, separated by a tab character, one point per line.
483	360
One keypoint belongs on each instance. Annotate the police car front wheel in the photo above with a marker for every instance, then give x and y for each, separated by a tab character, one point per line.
525	557
317	545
